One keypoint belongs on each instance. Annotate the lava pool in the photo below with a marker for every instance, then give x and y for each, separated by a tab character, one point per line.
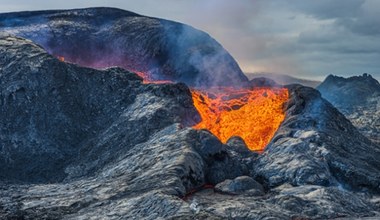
252	114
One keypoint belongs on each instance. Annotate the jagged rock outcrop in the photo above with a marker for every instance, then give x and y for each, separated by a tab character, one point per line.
317	145
358	98
104	37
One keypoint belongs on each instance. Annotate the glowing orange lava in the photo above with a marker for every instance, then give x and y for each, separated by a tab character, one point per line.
254	115
61	58
148	79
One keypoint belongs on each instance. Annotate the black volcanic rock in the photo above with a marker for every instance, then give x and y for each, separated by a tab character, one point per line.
52	111
358	98
287	202
240	185
104	37
317	145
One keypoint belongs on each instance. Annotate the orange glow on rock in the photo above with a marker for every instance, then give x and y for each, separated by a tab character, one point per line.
252	114
147	79
61	58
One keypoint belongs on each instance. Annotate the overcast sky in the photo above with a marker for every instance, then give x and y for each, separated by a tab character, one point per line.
304	38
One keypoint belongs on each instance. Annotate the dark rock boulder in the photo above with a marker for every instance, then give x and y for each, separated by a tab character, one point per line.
104	37
240	185
223	162
237	144
317	145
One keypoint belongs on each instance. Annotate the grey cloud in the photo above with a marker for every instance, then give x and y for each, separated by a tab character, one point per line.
327	9
366	25
358	16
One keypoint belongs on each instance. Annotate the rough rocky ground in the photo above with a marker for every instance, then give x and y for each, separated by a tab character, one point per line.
81	143
122	149
358	98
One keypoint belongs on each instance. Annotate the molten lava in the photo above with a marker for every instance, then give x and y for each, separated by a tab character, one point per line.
252	114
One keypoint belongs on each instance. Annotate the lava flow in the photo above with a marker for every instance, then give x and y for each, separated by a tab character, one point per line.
252	114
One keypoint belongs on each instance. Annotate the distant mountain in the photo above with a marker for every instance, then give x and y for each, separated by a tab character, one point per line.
349	92
357	97
284	79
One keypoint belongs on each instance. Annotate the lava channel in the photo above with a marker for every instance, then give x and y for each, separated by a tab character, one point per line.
252	114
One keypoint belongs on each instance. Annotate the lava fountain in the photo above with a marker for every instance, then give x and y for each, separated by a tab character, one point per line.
252	114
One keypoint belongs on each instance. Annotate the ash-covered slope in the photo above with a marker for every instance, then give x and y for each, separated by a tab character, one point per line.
104	37
358	98
100	144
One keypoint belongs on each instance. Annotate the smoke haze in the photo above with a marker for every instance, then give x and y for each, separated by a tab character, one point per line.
308	39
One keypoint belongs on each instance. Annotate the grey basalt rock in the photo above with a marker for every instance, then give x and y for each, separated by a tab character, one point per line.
222	161
288	202
54	114
240	185
104	37
317	145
